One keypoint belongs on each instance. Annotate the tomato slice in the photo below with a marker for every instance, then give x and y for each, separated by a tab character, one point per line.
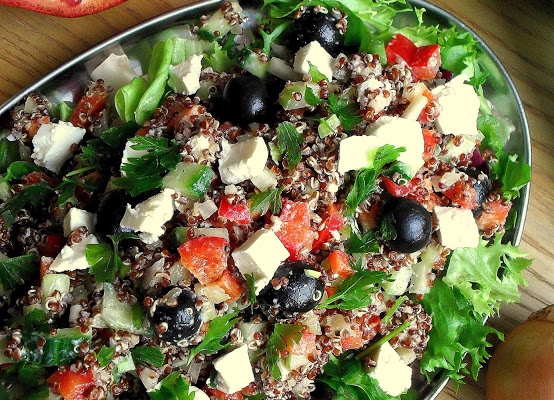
400	47
89	106
338	262
333	220
72	385
238	212
295	230
428	144
423	61
231	285
205	257
306	345
64	8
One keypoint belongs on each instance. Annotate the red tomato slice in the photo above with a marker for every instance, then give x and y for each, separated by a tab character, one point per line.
64	8
338	262
72	385
205	257
231	285
237	212
295	231
89	106
333	221
428	144
423	61
305	346
400	47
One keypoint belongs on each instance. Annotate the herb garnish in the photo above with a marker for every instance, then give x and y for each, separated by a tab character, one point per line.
16	270
148	355
290	144
268	200
283	336
104	260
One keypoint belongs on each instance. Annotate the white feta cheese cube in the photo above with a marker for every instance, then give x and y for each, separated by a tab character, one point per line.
184	78
234	371
265	180
450	178
356	152
76	218
52	144
206	209
73	257
459	105
260	255
456	227
198	393
393	375
313	53
148	217
243	160
116	71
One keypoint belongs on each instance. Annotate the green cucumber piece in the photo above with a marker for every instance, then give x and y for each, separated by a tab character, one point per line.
59	347
54	282
190	179
119	315
293	96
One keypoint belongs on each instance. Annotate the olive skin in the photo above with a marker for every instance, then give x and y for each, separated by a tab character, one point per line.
317	26
482	188
300	292
110	212
246	100
411	221
175	308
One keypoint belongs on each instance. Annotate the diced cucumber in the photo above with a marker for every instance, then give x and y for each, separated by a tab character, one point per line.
255	65
190	179
294	95
123	364
400	283
54	282
119	315
328	126
217	25
59	347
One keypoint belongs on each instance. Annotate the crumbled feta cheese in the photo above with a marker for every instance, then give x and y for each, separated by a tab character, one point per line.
450	178
234	371
393	375
72	257
459	107
75	218
457	227
313	53
265	180
243	160
148	217
184	78
206	209
260	255
357	152
198	393
116	71
52	144
203	149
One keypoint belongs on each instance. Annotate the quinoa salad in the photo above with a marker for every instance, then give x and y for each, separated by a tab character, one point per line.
288	200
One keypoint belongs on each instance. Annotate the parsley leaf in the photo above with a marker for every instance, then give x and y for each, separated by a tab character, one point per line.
219	327
144	173
283	336
105	355
268	200
346	112
172	387
290	144
148	355
488	274
366	243
353	291
18	169
16	270
104	260
33	196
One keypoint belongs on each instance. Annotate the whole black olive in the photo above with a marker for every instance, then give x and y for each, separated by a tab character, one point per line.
482	188
111	209
246	100
318	26
410	221
175	315
299	290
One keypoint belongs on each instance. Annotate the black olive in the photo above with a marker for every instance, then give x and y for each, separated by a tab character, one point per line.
111	209
318	26
246	100
411	223
175	315
482	188
299	291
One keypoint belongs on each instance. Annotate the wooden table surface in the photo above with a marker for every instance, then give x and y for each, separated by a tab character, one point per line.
521	33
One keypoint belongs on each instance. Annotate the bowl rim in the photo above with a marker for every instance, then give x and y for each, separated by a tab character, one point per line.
192	10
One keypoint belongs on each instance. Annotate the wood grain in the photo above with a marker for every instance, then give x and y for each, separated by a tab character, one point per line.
519	32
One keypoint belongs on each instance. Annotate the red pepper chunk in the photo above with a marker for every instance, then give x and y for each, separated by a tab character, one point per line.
232	285
306	345
205	257
72	385
423	61
333	220
236	212
89	106
295	231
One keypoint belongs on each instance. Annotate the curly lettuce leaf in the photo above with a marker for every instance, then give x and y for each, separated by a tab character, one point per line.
457	331
488	274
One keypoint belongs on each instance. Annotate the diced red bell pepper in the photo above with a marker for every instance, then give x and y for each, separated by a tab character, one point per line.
63	8
494	215
72	385
423	118
333	220
352	342
231	285
462	195
237	212
423	61
89	106
428	144
205	257
338	262
295	230
395	189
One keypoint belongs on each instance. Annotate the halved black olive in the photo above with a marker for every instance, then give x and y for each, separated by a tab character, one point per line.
319	26
246	100
111	209
175	315
411	223
299	290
